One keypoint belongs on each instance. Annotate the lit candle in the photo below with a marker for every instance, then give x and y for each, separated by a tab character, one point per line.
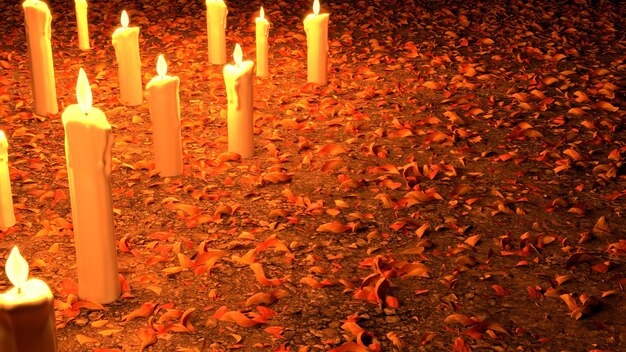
216	12
262	32
162	95
7	215
82	24
38	30
126	43
88	143
316	29
238	81
27	322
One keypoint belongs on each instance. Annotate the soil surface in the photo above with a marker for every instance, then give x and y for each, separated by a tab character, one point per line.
458	185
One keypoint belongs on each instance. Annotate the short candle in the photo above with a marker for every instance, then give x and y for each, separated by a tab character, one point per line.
39	32
238	81
164	103
262	33
7	214
27	322
88	142
126	42
316	29
216	13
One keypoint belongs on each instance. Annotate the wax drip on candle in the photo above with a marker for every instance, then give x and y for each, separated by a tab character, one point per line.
161	66
238	55
124	19
83	92
16	268
316	7
261	13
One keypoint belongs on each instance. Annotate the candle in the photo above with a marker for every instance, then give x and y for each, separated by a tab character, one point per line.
316	29
82	24
162	95
88	143
126	43
27	322
238	81
7	215
262	32
216	12
38	31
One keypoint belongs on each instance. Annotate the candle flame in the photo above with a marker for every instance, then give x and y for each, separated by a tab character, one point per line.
124	19
161	66
17	269
83	92
316	7
262	13
237	54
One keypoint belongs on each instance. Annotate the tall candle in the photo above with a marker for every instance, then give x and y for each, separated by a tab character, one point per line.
262	32
238	81
27	322
88	143
316	29
82	24
7	215
216	13
38	31
162	95
126	43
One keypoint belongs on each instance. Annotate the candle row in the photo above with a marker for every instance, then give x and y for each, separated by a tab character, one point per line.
125	40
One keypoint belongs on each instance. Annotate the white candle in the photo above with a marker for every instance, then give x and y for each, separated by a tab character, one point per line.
7	215
88	143
82	24
316	29
27	322
262	32
162	95
126	43
38	30
238	81
216	13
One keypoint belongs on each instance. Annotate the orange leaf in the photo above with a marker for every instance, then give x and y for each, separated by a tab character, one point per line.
472	240
459	318
570	301
263	280
275	177
332	149
500	291
261	298
334	227
240	319
88	305
275	331
147	336
145	310
461	346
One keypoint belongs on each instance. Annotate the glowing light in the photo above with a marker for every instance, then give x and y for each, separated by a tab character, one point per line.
161	66
124	19
262	13
237	54
316	7
83	92
16	268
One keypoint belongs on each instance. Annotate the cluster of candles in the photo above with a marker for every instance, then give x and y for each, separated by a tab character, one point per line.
27	310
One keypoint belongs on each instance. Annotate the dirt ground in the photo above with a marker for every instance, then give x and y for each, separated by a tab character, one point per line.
458	185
